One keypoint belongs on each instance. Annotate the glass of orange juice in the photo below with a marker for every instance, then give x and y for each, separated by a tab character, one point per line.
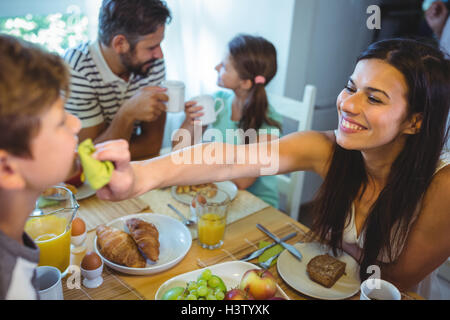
50	226
211	218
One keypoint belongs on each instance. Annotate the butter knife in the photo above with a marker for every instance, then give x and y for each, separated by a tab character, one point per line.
287	246
257	253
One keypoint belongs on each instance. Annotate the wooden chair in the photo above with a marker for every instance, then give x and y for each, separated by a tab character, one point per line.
290	186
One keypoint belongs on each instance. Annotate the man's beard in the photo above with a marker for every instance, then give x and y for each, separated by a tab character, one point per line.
136	69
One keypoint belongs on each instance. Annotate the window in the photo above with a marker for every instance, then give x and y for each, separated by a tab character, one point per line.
56	31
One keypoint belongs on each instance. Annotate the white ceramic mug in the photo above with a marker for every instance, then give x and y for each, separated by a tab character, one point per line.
377	289
209	112
176	93
49	282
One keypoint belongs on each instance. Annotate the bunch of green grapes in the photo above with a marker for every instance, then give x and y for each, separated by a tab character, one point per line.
207	287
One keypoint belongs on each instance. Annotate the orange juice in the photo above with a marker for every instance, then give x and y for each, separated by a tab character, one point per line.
53	240
211	228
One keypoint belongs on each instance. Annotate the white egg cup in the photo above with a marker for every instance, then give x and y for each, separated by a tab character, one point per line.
92	278
78	240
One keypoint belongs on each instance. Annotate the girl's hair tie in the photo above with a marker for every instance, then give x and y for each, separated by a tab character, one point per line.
260	80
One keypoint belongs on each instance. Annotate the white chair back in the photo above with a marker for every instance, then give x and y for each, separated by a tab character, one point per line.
290	186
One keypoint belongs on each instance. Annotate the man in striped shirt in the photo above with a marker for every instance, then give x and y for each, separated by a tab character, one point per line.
115	81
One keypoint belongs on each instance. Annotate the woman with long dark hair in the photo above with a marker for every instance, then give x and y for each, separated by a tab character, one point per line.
386	192
383	197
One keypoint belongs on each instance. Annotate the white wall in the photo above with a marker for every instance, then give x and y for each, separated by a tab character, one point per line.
327	37
203	28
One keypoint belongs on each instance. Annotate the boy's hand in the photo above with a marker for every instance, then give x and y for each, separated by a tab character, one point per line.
123	178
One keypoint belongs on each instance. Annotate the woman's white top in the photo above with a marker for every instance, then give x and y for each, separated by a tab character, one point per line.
352	244
445	37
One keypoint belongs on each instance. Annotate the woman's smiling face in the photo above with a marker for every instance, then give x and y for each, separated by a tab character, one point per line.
373	107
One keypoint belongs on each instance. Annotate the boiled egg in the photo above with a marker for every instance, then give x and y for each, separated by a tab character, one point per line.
78	227
91	261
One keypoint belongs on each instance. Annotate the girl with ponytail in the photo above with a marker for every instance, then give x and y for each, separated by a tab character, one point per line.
249	65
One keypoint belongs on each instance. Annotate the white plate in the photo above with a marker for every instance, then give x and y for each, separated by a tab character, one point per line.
230	272
294	273
84	192
174	238
229	187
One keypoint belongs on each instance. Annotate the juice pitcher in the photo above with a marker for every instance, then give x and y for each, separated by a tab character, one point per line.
50	226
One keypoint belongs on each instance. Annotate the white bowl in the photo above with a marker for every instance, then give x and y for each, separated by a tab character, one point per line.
174	237
230	272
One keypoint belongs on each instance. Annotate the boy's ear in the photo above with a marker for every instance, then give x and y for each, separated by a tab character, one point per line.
120	44
415	124
10	177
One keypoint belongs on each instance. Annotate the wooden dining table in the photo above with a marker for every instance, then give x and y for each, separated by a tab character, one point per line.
241	237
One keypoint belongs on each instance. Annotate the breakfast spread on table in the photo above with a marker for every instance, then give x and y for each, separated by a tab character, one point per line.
208	189
129	250
325	270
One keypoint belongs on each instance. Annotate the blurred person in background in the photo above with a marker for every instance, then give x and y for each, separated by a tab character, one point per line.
437	17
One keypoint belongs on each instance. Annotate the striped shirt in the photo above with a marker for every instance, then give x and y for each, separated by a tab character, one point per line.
96	93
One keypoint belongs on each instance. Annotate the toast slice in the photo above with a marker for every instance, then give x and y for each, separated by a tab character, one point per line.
325	270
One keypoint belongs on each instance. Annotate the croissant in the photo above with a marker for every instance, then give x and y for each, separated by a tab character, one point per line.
118	247
146	237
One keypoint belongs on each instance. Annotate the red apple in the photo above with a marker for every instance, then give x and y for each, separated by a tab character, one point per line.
261	284
238	294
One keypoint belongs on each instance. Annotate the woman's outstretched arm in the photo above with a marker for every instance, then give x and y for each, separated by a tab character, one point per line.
213	162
